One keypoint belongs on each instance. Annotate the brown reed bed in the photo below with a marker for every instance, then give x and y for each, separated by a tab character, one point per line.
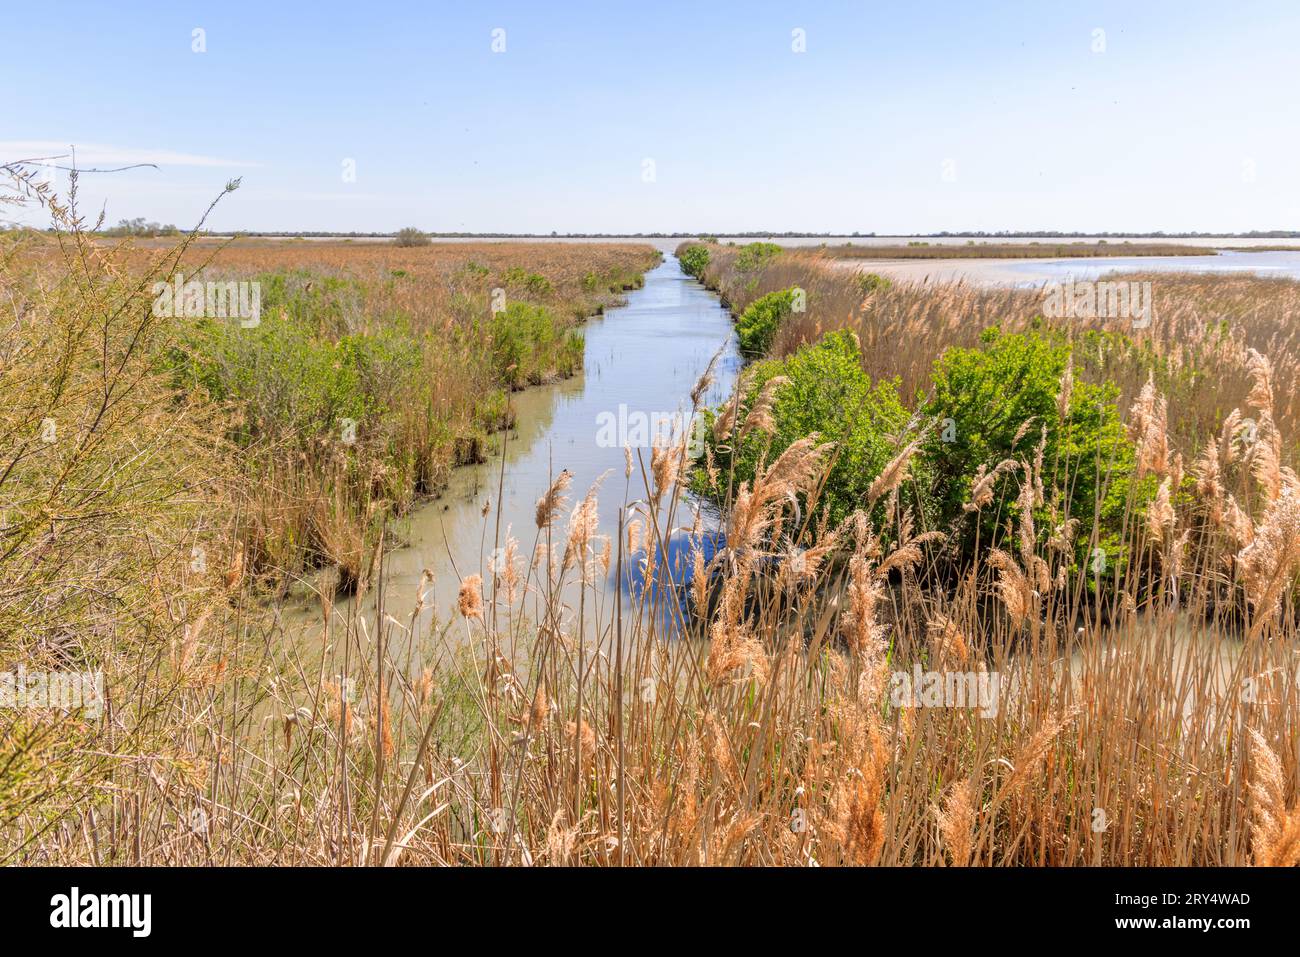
539	724
390	367
768	734
1198	345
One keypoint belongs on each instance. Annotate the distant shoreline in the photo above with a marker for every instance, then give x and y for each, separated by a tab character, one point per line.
986	236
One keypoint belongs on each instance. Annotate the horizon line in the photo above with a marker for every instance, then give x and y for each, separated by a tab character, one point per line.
748	234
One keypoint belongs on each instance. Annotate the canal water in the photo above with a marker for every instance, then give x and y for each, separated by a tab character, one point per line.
641	361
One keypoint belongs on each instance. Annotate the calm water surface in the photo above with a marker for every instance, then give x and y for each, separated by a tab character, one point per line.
646	356
1031	273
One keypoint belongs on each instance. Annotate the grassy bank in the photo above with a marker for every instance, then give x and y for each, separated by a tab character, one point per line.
371	372
1145	716
166	475
993	483
1198	345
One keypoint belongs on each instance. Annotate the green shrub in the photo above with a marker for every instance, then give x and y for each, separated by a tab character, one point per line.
410	236
539	285
982	398
534	283
694	260
869	282
287	381
758	324
754	256
327	306
827	393
530	344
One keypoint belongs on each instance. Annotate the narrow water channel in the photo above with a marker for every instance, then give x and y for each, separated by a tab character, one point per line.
644	356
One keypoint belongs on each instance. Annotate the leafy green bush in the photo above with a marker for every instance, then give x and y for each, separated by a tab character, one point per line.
869	282
754	256
539	285
758	324
694	260
989	407
327	306
288	381
533	282
410	236
984	398
529	344
828	393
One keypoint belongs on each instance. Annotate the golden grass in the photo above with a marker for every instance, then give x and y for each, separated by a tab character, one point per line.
1199	343
534	724
307	501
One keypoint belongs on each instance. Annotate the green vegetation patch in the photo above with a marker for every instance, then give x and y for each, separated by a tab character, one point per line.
694	260
997	410
755	256
827	393
999	403
531	344
758	324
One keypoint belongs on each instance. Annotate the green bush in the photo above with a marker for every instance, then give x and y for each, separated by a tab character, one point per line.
828	393
758	324
289	382
534	283
530	344
869	282
410	236
983	397
754	256
326	306
694	260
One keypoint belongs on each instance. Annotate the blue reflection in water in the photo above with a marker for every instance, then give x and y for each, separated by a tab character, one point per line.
670	592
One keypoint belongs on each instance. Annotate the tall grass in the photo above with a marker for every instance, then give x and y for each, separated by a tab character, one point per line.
740	708
373	372
1198	345
765	734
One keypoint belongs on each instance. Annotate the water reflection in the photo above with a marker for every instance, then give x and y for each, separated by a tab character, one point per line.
646	356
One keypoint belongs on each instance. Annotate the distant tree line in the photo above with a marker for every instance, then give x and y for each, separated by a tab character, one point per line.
139	228
786	234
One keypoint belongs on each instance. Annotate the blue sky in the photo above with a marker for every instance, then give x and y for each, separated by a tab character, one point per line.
906	117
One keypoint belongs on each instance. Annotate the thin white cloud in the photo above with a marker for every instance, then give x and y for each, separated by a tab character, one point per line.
98	154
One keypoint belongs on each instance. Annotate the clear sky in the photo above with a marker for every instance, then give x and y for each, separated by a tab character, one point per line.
693	116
